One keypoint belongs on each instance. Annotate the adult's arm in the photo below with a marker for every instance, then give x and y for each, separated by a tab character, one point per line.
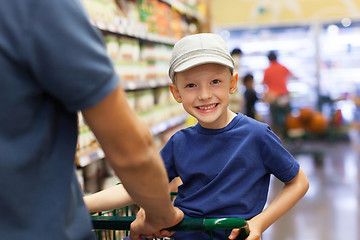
131	152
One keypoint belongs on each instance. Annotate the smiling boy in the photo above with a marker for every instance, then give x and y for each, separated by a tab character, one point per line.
225	161
204	92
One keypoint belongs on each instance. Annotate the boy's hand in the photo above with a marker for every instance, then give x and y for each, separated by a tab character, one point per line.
142	227
255	233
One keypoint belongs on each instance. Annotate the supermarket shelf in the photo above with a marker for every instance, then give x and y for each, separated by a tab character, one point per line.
134	29
185	10
138	85
95	153
89	155
169	123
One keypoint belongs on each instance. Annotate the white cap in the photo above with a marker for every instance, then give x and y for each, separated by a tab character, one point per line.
198	49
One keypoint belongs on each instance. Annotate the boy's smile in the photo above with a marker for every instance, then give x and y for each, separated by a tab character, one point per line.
205	91
208	107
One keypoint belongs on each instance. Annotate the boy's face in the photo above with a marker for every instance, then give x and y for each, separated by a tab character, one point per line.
205	91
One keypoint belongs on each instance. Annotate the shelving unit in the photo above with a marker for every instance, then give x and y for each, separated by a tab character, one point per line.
168	124
140	85
89	155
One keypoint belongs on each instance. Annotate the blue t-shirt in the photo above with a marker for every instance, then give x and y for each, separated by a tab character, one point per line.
52	64
226	172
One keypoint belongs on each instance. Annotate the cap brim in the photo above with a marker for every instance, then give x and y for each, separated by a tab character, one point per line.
200	60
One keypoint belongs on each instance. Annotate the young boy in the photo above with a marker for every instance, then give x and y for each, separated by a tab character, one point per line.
250	95
225	160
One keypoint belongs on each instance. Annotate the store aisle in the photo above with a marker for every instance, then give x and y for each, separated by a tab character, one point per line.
331	208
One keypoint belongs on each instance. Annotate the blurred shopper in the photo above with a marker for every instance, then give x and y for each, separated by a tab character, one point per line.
250	95
277	95
53	64
236	55
238	97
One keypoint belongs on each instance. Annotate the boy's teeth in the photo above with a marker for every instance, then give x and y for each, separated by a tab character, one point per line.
208	107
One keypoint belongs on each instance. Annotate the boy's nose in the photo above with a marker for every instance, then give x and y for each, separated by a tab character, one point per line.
205	93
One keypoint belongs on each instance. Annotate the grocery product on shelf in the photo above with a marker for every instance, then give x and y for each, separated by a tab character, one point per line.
138	61
154	20
88	149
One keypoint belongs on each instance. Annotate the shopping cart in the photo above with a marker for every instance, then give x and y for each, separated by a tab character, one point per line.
115	224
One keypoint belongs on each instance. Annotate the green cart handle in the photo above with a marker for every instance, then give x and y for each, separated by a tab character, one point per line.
187	224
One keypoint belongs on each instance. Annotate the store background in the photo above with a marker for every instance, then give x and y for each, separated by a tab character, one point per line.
319	40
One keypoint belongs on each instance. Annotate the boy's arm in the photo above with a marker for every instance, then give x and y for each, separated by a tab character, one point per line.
108	199
292	192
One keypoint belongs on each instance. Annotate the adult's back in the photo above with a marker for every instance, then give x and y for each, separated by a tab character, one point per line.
47	74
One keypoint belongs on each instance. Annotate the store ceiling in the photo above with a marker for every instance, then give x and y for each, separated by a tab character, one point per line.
245	13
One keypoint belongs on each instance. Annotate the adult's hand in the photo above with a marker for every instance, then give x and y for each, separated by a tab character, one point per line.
144	226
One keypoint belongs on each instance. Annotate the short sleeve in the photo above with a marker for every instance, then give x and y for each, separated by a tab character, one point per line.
67	54
277	159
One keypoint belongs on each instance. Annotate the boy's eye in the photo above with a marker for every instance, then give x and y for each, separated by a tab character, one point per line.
215	81
190	85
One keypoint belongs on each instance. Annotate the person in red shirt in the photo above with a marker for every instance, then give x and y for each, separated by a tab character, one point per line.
276	92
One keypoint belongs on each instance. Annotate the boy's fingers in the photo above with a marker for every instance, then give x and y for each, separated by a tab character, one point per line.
166	233
234	233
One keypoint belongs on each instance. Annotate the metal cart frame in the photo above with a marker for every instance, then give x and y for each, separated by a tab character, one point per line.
122	223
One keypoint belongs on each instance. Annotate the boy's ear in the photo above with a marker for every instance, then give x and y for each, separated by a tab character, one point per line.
175	92
233	83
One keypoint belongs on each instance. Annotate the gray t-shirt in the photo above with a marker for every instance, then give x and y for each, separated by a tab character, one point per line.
52	64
